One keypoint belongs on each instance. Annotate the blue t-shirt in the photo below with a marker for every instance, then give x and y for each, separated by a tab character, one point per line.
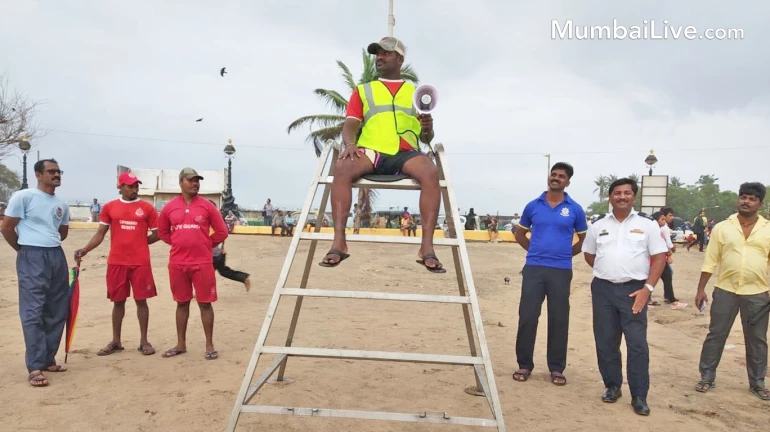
41	216
553	229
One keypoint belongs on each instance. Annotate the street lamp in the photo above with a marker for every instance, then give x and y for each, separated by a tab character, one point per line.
229	201
24	146
651	160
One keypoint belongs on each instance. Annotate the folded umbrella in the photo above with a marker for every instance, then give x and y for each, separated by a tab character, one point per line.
73	313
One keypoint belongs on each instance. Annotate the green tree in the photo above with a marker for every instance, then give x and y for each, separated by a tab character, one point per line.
329	126
9	183
601	186
675	182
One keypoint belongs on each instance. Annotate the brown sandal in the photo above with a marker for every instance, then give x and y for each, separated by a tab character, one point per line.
522	375
111	348
37	379
146	349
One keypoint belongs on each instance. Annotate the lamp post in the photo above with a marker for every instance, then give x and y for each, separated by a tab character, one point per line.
651	160
24	146
548	166
229	200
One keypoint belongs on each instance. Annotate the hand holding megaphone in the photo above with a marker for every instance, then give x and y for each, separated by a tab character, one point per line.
425	99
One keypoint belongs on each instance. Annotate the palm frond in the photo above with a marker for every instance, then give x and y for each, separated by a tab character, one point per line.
333	99
323	120
369	72
347	76
320	136
408	74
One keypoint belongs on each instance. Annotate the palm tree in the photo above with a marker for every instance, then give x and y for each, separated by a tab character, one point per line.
676	182
706	180
330	125
601	186
636	178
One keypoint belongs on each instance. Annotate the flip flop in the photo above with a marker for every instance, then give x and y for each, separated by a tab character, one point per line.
439	267
522	375
37	379
212	355
705	386
56	368
758	389
112	348
556	376
151	351
173	352
343	256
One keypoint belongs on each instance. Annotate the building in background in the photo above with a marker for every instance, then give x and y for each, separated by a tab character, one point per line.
160	186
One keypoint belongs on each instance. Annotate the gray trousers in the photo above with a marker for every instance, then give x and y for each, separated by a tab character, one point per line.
43	302
724	309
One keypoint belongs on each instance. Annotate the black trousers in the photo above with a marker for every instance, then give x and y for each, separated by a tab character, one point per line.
614	318
538	283
227	272
668	283
701	239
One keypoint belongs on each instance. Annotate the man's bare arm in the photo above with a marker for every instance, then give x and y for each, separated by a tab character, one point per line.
9	231
153	237
350	130
95	241
590	258
577	247
64	231
521	237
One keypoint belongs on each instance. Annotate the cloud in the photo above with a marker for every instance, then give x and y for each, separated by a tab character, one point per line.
508	92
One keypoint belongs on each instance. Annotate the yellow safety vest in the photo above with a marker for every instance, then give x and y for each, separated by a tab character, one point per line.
388	118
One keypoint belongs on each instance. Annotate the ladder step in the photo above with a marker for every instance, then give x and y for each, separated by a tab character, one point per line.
368	295
373	355
405	184
439	241
423	417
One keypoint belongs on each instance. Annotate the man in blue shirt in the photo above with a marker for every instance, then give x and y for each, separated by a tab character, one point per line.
553	220
35	224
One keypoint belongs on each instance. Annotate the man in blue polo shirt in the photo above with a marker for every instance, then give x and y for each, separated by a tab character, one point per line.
553	219
35	224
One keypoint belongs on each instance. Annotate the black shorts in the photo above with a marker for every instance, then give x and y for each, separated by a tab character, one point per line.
389	164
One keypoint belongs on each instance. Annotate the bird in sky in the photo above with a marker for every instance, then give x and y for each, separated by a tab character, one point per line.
199	120
222	71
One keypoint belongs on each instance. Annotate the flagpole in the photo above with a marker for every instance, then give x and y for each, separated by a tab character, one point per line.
391	19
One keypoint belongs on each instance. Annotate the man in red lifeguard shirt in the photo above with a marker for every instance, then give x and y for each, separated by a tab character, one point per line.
185	223
128	266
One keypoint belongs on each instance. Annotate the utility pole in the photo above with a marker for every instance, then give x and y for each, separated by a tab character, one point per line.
548	166
391	19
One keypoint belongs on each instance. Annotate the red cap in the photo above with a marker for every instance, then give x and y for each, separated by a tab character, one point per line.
128	178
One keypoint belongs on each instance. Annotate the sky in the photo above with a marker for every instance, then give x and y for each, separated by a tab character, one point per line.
123	82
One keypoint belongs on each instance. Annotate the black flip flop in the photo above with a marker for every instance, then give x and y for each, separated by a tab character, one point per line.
339	253
439	269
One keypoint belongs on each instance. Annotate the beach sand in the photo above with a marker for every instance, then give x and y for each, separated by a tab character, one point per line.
127	391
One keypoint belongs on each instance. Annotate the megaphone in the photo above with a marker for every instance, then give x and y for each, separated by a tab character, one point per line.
425	99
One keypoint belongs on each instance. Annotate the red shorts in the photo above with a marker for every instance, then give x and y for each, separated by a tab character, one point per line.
183	277
122	278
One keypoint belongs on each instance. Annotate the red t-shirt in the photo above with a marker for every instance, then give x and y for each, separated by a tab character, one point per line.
129	222
356	107
186	229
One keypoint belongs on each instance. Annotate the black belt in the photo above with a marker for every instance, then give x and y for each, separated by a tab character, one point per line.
631	282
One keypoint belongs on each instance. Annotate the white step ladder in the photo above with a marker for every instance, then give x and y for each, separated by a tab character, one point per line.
481	362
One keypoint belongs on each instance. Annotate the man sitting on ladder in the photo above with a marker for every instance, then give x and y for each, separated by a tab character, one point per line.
380	114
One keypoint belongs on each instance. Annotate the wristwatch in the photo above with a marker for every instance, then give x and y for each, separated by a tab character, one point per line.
649	287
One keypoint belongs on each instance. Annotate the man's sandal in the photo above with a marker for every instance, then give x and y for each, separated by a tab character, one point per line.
705	386
37	379
557	378
146	349
343	256
761	393
522	375
56	368
111	348
437	268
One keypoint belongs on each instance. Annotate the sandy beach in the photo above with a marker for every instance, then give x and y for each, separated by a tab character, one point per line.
127	391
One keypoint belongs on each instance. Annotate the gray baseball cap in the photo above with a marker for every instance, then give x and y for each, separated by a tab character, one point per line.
187	172
387	43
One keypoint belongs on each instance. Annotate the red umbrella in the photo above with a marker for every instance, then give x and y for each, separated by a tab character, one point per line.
73	314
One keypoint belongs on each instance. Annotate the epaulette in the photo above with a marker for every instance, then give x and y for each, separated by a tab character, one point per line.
644	215
601	216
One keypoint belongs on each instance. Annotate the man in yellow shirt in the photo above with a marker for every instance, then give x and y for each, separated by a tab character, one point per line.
740	246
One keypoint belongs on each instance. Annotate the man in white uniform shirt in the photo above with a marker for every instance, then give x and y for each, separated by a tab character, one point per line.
621	247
